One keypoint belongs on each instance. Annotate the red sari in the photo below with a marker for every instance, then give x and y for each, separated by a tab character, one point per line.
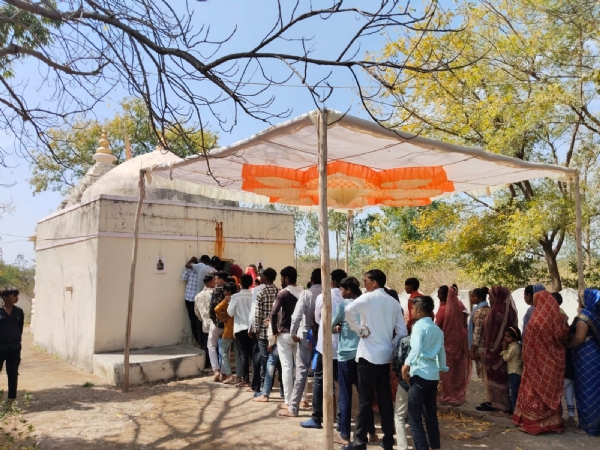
539	403
502	313
455	382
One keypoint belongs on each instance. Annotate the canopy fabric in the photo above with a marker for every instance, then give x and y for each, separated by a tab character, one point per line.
368	165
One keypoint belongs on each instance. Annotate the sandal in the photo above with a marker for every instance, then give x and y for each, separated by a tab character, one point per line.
486	407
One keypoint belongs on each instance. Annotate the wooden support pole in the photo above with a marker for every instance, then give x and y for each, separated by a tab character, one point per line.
326	317
578	238
348	226
136	229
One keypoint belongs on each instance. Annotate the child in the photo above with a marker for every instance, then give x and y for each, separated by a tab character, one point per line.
421	370
227	339
12	320
511	353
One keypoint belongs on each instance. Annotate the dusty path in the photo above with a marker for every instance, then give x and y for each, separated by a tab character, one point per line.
201	414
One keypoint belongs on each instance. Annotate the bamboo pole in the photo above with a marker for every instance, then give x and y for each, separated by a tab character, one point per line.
328	407
136	229
348	238
578	238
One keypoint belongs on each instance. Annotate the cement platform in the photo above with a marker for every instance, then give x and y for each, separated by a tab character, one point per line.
151	364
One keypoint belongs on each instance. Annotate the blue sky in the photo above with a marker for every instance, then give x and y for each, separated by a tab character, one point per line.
252	19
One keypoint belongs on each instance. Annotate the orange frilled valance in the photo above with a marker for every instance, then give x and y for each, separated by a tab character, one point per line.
348	185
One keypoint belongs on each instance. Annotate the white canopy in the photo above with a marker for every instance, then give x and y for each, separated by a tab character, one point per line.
368	165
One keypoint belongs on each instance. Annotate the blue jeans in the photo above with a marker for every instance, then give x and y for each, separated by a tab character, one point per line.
272	364
347	376
224	353
422	402
514	383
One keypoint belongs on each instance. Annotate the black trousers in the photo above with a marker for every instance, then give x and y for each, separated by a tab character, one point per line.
371	378
13	359
422	404
317	400
257	375
193	321
244	344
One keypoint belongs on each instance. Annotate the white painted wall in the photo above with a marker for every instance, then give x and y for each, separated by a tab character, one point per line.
89	248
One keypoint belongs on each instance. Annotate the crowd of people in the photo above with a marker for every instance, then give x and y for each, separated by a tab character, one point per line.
405	362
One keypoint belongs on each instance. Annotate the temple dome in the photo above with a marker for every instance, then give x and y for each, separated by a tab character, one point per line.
123	180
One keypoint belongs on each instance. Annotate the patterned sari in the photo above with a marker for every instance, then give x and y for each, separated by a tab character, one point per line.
502	313
586	362
539	403
454	383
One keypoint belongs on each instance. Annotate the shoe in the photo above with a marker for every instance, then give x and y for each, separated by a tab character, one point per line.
339	439
570	422
485	407
304	405
353	446
311	423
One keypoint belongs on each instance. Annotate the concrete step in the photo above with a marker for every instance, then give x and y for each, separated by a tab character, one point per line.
151	364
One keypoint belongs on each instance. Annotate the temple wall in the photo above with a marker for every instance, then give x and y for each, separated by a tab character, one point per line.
174	232
87	249
65	287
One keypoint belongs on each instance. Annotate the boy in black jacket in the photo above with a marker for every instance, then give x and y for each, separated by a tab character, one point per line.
11	331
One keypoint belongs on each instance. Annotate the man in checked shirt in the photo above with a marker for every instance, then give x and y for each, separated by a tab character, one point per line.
262	312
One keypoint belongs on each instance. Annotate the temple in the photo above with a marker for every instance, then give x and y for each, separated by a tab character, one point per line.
83	254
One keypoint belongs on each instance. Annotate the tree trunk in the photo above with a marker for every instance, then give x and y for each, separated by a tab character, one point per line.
552	264
337	249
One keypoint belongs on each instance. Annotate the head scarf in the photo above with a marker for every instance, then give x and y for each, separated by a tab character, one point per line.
543	353
235	271
503	313
454	331
252	272
591	310
538	287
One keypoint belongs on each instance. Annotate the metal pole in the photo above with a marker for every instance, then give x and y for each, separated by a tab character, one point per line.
348	237
136	229
326	317
578	238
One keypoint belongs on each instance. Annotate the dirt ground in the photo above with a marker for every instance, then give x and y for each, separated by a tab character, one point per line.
201	414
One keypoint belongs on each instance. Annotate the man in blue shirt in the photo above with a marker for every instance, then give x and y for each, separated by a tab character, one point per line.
427	358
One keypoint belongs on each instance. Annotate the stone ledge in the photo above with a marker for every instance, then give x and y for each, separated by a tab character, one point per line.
151	364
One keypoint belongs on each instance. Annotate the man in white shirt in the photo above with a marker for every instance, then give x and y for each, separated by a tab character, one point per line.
382	324
239	308
202	305
317	400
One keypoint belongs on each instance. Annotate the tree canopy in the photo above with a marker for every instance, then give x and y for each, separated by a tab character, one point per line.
182	69
530	95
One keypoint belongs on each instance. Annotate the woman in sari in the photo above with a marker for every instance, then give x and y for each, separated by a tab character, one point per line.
585	343
502	313
454	383
539	403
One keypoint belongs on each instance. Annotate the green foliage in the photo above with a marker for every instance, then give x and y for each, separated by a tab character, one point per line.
74	146
16	433
525	97
20	274
87	384
24	29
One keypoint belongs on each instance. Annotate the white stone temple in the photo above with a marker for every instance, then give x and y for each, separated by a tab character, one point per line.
83	263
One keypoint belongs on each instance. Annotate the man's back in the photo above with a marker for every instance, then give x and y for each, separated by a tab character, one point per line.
304	312
381	314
